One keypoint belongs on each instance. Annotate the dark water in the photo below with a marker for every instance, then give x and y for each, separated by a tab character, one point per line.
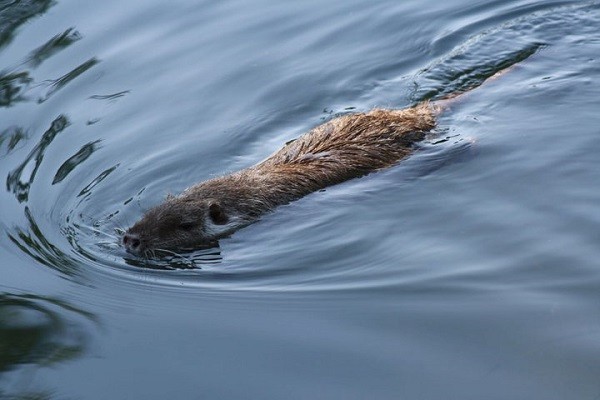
469	271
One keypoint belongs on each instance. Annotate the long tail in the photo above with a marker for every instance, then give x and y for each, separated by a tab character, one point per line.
448	79
448	100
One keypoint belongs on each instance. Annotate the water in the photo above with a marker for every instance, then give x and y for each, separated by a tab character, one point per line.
468	271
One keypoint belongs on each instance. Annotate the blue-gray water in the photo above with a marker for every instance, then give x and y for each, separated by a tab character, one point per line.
468	271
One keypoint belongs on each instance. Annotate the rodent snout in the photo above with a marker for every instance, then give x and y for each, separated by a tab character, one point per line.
132	242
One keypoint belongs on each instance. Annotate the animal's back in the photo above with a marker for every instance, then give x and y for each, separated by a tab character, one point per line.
352	145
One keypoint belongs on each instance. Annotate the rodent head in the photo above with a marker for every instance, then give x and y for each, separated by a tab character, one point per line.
181	222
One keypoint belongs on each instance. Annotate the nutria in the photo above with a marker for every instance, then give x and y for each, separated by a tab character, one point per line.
346	147
343	148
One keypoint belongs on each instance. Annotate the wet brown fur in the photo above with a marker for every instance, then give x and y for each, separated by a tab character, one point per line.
346	147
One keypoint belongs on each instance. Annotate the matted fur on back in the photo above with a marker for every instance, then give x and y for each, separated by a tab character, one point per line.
354	144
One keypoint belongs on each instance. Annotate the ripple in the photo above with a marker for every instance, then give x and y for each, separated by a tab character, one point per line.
98	194
499	47
38	332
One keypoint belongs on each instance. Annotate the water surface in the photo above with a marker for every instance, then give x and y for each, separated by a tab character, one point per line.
468	271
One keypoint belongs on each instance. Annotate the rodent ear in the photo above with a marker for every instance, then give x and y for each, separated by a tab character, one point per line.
217	214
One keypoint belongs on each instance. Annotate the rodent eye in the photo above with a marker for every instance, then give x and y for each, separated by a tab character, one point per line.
187	226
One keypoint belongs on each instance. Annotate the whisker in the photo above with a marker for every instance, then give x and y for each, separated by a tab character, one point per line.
171	252
98	231
180	258
108	244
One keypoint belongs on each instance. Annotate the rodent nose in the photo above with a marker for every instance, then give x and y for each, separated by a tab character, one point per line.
131	241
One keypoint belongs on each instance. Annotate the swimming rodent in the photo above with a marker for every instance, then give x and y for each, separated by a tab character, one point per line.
343	148
346	147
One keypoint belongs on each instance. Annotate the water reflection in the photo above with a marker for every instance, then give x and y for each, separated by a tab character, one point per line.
112	96
31	239
53	46
483	55
87	190
176	261
38	332
15	13
10	139
68	166
448	77
17	85
467	64
34	243
16	82
57	84
12	87
19	184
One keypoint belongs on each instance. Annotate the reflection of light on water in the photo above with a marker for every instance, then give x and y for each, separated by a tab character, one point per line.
413	266
68	166
168	260
19	181
10	139
103	175
38	332
59	83
53	46
94	243
18	13
33	242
